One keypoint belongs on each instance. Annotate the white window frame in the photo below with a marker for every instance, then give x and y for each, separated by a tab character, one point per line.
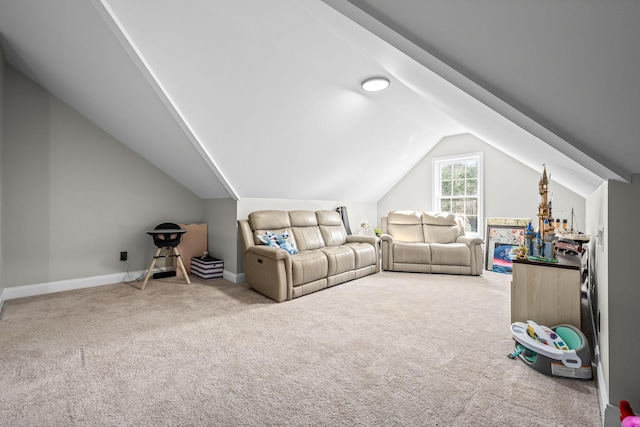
437	187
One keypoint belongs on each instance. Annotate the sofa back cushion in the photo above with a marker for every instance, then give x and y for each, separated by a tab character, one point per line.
440	227
306	232
405	226
270	220
331	228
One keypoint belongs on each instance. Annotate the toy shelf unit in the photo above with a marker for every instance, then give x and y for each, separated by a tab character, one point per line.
547	293
207	268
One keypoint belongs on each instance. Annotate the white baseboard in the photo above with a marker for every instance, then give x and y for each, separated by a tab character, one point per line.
233	277
67	285
603	395
85	282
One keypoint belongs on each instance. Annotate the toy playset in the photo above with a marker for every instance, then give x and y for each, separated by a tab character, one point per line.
561	351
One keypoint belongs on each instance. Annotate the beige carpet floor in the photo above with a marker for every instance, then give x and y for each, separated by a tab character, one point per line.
392	349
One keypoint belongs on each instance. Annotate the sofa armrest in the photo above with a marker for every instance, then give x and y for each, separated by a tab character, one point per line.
469	240
476	247
268	270
246	236
363	239
386	237
386	241
269	252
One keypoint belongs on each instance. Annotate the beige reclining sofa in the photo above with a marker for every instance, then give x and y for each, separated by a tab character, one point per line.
327	255
425	242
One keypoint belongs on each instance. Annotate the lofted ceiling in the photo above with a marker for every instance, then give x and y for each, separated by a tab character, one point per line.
565	71
262	99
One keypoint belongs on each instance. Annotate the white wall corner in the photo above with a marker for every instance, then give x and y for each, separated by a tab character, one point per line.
2	298
603	394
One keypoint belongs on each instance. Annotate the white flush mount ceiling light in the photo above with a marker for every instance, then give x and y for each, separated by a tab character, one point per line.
375	84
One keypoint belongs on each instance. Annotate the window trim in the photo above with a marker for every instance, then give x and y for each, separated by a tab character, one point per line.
437	161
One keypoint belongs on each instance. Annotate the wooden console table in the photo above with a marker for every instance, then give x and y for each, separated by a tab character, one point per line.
547	293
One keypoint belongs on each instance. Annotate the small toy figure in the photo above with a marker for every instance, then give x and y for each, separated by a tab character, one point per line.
283	241
627	417
269	239
521	252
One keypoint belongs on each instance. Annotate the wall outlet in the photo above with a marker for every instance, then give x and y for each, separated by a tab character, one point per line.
600	236
123	256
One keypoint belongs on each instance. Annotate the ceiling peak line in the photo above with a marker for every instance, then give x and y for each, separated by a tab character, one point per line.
477	92
110	18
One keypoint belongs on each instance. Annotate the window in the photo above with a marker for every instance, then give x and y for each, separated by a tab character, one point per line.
458	184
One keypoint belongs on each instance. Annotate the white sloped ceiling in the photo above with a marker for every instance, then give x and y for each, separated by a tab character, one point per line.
262	99
570	66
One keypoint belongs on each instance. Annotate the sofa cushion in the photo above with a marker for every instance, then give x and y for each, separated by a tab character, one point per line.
308	266
406	233
273	221
331	228
404	217
440	227
450	254
364	252
405	226
303	219
267	220
411	253
439	218
305	230
441	233
339	259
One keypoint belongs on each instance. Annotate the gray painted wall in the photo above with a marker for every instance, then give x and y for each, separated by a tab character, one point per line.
2	72
74	197
610	213
624	292
598	219
510	188
220	215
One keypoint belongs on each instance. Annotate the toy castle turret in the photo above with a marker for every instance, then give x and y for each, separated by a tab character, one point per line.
545	237
529	237
545	218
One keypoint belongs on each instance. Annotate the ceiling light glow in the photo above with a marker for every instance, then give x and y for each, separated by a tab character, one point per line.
375	84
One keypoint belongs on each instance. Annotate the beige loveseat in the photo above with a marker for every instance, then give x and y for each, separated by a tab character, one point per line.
425	242
327	255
